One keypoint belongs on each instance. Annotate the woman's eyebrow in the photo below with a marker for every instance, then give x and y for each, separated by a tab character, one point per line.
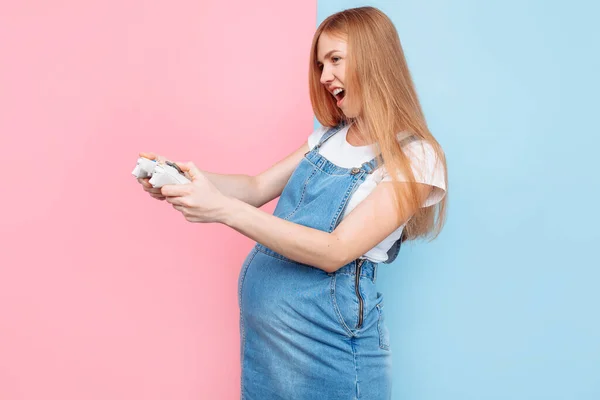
328	54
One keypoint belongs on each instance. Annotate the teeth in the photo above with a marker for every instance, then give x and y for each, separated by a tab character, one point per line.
337	91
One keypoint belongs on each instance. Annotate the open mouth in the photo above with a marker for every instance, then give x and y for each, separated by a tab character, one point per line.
339	95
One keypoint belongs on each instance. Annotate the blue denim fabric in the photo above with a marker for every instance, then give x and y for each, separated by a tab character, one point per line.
307	334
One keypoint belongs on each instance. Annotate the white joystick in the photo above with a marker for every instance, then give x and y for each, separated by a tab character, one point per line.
159	174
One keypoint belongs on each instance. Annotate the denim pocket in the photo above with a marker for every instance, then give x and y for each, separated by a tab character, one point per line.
384	335
345	301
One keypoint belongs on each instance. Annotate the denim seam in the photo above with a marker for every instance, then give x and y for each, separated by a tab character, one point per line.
328	134
349	192
276	255
245	270
302	196
343	171
354	355
273	254
365	305
362	274
336	309
384	346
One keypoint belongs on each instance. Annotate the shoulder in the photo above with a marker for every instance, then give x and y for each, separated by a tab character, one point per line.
427	167
423	155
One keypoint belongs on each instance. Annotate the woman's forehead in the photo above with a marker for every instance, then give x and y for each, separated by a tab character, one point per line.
329	43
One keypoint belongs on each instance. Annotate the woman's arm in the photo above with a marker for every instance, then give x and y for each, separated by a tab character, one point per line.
238	186
260	189
367	225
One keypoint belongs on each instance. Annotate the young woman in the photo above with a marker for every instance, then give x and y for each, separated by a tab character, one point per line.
312	322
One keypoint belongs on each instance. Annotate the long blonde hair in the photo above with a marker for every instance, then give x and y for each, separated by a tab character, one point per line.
377	75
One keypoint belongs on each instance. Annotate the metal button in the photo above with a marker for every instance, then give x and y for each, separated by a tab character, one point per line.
355	171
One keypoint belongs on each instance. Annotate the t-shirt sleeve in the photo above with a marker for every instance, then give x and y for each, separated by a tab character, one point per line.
427	168
314	137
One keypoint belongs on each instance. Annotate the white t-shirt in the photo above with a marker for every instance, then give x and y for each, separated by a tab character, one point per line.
426	169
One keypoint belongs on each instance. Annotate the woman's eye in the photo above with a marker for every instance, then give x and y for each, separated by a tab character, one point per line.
335	59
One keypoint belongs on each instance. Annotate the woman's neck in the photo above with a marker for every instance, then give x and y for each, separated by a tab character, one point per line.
354	138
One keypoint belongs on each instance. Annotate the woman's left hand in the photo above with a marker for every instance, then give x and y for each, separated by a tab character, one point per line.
198	201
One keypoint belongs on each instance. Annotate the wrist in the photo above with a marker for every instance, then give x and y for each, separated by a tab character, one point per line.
230	207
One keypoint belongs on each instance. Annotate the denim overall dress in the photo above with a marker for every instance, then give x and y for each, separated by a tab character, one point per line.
307	334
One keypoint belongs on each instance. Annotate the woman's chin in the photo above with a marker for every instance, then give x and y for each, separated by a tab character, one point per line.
349	113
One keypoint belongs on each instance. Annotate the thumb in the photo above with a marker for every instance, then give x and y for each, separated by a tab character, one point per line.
190	170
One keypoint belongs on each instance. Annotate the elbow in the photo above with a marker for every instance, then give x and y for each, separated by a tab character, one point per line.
331	267
336	259
255	192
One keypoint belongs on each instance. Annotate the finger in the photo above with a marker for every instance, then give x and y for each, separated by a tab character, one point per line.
176	201
150	156
161	159
147	186
174	190
183	169
150	189
190	169
170	191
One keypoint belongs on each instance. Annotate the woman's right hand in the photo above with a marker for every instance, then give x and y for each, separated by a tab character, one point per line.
145	182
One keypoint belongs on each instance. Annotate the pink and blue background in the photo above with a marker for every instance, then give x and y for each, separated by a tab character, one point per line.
106	293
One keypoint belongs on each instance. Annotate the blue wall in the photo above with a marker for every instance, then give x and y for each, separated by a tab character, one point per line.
505	303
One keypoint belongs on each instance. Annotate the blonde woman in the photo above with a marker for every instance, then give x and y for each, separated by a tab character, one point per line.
312	321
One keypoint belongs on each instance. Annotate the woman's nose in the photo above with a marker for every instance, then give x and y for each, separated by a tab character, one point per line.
326	76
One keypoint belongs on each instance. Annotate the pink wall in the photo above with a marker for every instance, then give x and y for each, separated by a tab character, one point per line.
106	293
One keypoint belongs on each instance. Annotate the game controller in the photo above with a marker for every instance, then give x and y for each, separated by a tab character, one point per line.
160	174
144	168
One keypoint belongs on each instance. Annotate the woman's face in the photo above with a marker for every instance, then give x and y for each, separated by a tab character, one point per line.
331	59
